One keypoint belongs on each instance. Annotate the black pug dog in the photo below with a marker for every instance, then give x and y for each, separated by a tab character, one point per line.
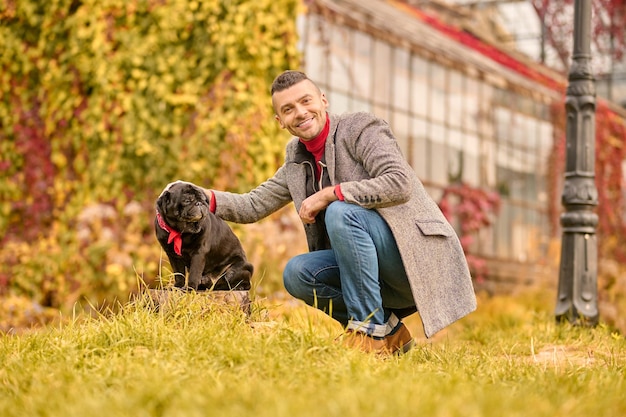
197	241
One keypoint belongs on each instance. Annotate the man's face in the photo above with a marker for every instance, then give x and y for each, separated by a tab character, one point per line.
301	109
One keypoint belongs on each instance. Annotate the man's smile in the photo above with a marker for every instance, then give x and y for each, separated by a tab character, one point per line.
305	123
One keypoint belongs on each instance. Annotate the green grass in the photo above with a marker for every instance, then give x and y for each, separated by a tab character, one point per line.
507	359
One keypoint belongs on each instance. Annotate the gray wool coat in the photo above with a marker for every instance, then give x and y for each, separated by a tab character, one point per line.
363	156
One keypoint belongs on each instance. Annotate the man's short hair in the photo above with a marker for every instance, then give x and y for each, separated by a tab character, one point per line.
288	79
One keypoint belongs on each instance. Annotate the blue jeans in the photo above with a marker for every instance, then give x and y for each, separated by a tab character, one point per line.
361	281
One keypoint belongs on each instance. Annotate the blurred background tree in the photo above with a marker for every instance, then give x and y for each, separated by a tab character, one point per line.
608	31
104	102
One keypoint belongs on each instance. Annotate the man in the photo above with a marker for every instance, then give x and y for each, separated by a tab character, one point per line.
380	248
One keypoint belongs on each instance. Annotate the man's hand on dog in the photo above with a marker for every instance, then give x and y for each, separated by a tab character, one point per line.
310	207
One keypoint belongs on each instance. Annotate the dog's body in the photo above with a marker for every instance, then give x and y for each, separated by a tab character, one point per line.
197	241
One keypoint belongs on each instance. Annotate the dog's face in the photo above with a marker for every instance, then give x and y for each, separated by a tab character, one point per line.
183	206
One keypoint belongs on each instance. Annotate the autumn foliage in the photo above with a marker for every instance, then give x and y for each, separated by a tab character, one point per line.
104	102
608	27
474	209
610	151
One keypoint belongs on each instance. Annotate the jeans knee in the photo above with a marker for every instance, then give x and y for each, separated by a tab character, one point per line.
292	278
335	217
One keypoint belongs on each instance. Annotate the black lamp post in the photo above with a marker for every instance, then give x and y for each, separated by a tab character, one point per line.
577	300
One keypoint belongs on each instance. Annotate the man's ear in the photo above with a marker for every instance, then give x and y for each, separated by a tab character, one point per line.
280	122
324	100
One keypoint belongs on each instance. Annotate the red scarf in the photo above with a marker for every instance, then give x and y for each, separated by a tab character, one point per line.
174	235
317	145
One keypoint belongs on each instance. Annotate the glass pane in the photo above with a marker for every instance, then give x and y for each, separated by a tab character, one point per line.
455	139
303	23
471	160
519	238
362	64
419	156
382	73
437	133
503	151
420	86
544	146
438	93
488	163
485	112
514	185
471	106
455	98
339	102
454	170
438	155
439	163
401	79
503	230
532	143
523	131
340	59
400	128
531	193
455	155
382	112
502	120
486	241
361	105
316	57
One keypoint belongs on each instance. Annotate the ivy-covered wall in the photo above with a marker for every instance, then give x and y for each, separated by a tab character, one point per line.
104	102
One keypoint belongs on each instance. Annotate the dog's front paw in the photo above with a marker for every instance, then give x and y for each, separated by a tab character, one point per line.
221	285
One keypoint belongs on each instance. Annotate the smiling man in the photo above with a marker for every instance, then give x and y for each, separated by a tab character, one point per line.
379	247
300	108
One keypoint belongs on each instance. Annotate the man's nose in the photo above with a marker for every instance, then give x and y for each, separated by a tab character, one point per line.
301	110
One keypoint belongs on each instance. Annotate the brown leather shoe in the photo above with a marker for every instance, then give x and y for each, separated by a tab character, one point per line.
400	341
364	343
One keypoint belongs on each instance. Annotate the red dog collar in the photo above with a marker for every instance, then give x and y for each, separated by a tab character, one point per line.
174	235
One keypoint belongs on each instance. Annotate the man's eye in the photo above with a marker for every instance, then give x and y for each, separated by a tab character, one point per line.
287	110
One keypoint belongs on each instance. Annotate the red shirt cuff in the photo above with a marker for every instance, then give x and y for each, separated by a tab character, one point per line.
338	192
212	202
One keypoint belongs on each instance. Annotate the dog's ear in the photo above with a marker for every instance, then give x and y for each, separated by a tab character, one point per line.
163	200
